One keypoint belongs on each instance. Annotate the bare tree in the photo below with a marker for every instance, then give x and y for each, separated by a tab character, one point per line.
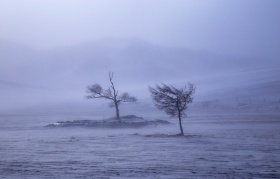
172	100
96	91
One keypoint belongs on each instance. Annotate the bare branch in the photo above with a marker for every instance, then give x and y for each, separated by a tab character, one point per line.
96	91
108	93
125	97
172	100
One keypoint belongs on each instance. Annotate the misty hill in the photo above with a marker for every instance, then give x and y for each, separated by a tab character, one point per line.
128	57
51	76
133	57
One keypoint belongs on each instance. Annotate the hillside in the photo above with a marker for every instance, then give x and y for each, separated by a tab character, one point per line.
32	78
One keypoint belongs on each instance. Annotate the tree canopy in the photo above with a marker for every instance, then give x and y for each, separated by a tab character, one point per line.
172	100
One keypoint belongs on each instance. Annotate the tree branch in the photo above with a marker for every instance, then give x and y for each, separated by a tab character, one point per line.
96	91
125	97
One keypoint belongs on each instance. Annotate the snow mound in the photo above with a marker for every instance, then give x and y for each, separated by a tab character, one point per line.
171	135
160	135
123	122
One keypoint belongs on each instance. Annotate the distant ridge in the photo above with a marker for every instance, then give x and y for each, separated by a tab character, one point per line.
136	63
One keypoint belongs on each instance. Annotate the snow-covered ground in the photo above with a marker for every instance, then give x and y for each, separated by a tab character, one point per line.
215	146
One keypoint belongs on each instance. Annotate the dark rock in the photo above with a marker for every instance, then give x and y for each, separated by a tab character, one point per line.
129	121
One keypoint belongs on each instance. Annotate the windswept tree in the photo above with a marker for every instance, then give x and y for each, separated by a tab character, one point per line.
96	91
172	100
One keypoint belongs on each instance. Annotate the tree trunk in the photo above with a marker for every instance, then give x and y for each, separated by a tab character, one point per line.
117	110
115	96
180	122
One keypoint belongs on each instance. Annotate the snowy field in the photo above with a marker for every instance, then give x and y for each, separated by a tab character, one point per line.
215	146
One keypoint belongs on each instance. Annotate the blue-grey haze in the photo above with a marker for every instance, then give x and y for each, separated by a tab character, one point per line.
51	50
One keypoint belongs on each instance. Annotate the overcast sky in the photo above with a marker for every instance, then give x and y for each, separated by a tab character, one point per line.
239	27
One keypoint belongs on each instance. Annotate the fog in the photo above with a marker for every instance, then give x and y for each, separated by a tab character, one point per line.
50	51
